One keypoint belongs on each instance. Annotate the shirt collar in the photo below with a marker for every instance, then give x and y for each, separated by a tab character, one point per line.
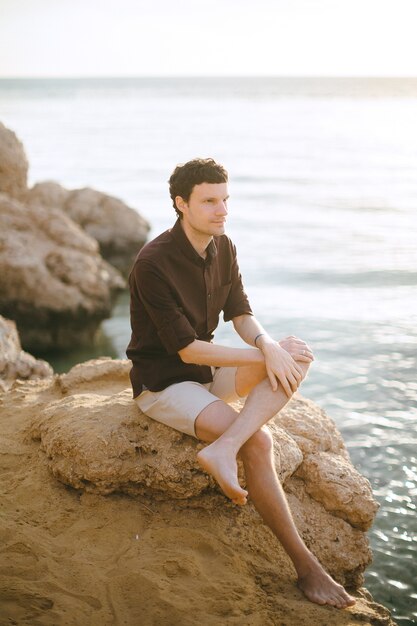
187	248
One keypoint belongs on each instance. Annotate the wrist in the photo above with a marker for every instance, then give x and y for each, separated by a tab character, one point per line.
263	341
258	337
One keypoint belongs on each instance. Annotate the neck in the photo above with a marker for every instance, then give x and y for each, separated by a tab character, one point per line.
198	240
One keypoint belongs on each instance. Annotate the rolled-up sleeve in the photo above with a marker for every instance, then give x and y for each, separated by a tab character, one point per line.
173	328
237	302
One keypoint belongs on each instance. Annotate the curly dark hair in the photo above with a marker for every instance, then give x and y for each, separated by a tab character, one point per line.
187	175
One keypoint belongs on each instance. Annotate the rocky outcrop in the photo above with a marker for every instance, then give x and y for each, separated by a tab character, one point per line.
53	282
102	444
125	450
119	229
14	362
155	457
13	164
173	549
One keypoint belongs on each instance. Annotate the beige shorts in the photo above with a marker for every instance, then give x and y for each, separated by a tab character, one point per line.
180	404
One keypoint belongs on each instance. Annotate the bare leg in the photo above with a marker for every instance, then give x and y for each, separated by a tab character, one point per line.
269	499
219	458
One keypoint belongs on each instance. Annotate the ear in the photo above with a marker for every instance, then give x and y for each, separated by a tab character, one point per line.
180	203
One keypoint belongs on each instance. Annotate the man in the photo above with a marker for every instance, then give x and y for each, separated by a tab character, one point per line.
179	284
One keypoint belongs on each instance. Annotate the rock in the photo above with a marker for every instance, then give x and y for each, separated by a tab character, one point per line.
104	443
106	374
335	483
49	195
53	282
287	454
310	427
13	164
176	551
115	447
119	229
342	549
14	362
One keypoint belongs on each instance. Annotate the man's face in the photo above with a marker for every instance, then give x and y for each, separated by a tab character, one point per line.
206	210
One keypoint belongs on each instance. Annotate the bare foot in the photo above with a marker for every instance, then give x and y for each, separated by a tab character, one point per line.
223	467
320	588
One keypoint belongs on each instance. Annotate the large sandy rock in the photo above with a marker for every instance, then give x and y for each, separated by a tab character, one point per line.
119	229
104	443
53	282
14	362
169	554
13	164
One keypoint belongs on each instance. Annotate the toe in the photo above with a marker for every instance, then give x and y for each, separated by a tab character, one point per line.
340	604
321	600
344	600
346	597
239	501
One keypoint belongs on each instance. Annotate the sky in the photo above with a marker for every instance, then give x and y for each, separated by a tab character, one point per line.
69	38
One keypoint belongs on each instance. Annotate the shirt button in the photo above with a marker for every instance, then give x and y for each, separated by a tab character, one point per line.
209	296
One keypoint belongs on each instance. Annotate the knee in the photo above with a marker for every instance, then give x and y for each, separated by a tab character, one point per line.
259	445
304	368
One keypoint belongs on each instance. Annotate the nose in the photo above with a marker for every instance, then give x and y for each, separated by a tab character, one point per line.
222	208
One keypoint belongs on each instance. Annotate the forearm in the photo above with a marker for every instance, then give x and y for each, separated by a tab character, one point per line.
204	353
249	329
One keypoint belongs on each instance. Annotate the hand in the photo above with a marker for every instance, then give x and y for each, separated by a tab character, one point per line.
281	367
297	348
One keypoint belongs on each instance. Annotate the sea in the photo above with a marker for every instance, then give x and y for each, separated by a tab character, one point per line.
323	211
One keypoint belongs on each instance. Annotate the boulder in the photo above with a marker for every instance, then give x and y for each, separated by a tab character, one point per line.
13	164
53	281
14	362
103	444
105	375
119	229
134	532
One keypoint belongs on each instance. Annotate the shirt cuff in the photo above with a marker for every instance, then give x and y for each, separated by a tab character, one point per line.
242	308
176	334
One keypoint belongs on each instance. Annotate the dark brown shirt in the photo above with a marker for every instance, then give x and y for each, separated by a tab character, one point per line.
176	296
